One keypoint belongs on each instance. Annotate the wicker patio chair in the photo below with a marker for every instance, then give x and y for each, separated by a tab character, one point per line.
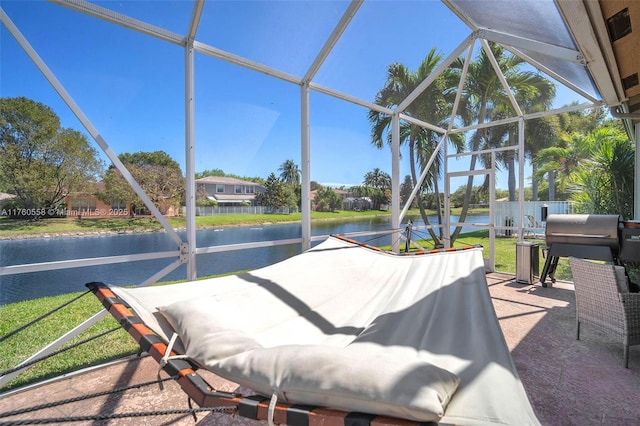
603	300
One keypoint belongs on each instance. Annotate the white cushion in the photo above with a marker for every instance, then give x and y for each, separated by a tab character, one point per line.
206	330
379	380
353	378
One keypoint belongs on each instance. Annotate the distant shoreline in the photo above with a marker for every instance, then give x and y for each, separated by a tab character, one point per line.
110	232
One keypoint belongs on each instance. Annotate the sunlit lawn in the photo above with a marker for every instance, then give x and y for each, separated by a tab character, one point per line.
16	228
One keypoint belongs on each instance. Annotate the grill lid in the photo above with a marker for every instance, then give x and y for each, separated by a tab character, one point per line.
584	229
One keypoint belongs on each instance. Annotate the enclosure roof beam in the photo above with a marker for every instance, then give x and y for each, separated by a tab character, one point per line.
501	77
550	72
244	62
122	20
421	123
354	100
195	19
558	52
530	116
437	71
333	38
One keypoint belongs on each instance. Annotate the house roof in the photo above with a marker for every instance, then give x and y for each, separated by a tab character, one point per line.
5	197
225	180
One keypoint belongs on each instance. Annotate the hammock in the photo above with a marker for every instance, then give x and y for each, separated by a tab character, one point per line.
337	330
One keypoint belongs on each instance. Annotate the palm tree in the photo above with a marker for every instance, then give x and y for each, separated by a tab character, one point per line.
433	105
377	179
596	169
567	123
605	183
485	99
289	173
560	162
540	133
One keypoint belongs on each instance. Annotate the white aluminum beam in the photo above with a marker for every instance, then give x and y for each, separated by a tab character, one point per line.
492	215
421	123
78	263
484	151
530	116
501	77
244	246
305	161
189	139
423	175
550	72
395	178
244	62
354	100
468	173
520	179
461	83
436	72
558	52
122	20
66	97
161	273
195	19
333	38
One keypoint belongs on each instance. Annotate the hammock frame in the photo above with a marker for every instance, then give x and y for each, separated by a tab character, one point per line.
196	387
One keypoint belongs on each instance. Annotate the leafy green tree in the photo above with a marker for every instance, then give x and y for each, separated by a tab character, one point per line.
540	133
40	162
275	195
327	200
202	197
212	172
604	182
156	172
570	126
406	188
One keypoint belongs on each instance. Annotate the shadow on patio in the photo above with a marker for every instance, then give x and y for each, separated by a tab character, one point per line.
569	381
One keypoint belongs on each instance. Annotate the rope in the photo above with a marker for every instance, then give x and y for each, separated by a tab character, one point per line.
54	310
80	398
59	351
116	416
272	409
167	356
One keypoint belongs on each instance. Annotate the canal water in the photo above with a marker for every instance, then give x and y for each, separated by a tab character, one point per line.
33	285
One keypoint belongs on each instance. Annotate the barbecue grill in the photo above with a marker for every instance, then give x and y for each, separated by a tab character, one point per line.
586	236
630	244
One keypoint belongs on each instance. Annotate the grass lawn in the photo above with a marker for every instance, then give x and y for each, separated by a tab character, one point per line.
19	228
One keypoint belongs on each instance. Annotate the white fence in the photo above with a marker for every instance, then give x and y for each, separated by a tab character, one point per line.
506	214
212	211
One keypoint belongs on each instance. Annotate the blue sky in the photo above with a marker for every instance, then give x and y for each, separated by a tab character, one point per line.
131	86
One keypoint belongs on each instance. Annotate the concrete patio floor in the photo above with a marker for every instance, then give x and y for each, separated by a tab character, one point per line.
569	382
